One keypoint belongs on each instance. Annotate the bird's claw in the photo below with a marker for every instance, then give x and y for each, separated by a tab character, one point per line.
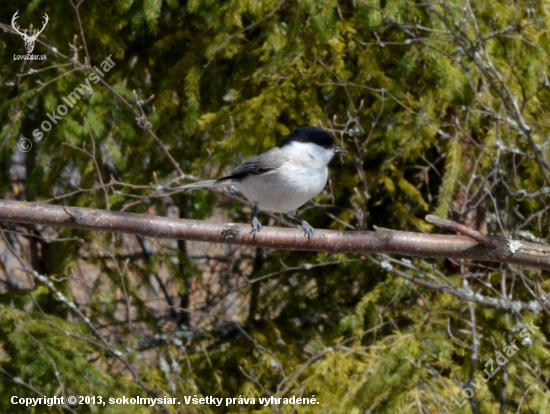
256	226
308	230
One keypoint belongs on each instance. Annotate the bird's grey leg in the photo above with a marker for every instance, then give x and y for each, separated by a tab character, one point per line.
308	230
256	225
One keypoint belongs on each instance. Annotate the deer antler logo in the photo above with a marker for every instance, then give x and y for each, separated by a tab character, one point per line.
29	40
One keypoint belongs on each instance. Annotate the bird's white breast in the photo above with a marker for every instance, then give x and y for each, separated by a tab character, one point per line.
302	177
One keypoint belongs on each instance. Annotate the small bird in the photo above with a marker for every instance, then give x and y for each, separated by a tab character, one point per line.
283	178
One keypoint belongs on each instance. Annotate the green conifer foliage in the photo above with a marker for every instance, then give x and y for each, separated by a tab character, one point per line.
443	108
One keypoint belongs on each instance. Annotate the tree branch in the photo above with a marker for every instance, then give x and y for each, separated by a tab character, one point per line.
379	241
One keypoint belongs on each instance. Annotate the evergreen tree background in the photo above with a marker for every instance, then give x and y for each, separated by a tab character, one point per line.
443	107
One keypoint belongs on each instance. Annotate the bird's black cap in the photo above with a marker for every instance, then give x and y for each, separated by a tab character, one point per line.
309	134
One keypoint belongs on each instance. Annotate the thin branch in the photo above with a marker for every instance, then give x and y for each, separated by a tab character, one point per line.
459	228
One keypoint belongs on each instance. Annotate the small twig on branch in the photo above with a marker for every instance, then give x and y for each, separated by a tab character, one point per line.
460	228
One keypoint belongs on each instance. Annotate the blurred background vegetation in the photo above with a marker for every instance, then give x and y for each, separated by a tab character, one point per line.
443	108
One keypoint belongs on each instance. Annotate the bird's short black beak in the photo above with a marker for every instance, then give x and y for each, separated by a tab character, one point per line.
338	150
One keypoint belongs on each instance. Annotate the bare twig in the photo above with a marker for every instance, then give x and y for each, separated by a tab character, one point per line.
459	228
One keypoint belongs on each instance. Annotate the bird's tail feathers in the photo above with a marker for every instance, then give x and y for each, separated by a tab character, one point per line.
206	184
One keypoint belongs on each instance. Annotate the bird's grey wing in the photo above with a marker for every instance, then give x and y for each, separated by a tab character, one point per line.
259	164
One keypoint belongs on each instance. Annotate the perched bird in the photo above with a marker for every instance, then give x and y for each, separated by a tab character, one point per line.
285	177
